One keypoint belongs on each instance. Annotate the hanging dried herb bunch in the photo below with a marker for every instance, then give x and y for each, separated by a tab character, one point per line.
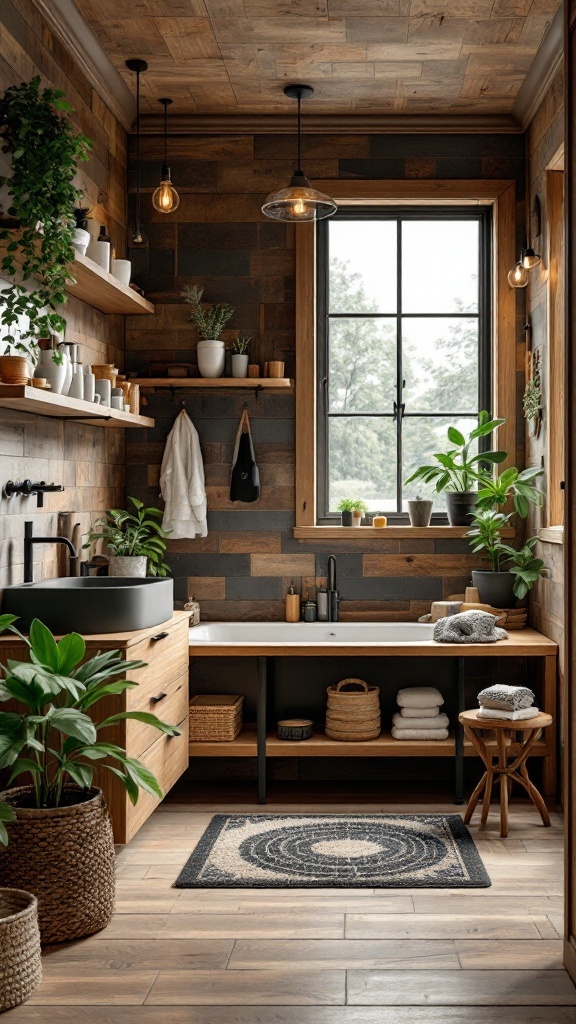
532	400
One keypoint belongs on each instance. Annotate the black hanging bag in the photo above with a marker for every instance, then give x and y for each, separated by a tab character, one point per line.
244	478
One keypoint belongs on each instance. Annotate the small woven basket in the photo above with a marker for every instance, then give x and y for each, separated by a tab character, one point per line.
215	718
20	963
353	715
65	856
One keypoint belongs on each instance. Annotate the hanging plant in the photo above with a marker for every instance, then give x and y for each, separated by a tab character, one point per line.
532	398
38	136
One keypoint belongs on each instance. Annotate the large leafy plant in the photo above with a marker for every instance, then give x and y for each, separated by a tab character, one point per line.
460	468
210	321
134	533
486	535
44	148
52	742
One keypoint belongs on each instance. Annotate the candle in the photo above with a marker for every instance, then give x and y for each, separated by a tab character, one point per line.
380	521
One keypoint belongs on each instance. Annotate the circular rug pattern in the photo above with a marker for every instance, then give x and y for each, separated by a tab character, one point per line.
331	850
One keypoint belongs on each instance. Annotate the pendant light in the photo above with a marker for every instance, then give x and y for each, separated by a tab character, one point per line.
299	201
139	66
520	273
165	198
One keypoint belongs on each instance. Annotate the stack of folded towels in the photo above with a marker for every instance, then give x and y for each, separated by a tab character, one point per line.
512	703
419	717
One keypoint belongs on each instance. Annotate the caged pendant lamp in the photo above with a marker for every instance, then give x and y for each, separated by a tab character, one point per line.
138	66
299	201
165	198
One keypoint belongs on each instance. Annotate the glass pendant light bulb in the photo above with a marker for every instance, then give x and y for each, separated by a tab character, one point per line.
518	276
530	258
165	198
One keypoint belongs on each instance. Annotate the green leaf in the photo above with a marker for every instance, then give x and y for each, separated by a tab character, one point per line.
22	765
82	774
141	716
6	621
131	786
142	776
92	696
43	645
71	650
72	722
456	437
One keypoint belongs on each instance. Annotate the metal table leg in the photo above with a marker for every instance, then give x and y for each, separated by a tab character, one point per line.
459	735
261	728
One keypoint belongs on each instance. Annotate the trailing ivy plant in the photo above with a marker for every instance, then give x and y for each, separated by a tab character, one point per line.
44	149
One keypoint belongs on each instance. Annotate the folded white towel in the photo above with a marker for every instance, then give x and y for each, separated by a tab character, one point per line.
508	716
420	712
419	697
438	722
419	734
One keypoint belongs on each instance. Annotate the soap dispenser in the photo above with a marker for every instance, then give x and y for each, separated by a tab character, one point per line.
292	605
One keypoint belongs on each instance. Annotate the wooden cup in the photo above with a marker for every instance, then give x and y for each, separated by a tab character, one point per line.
276	369
253	370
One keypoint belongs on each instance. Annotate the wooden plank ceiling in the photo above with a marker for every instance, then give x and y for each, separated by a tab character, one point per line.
364	56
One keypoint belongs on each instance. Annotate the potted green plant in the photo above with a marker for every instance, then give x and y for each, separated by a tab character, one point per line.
136	540
457	471
44	149
210	322
420	510
512	573
56	832
347	507
240	357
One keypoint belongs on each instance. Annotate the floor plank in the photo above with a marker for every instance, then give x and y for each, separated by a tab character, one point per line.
440	926
445	988
371	954
150	1014
544	955
226	926
85	987
249	988
143	954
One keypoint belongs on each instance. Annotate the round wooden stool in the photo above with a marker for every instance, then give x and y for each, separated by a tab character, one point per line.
515	771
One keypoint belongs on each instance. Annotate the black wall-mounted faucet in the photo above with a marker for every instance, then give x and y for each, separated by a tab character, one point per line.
333	595
26	488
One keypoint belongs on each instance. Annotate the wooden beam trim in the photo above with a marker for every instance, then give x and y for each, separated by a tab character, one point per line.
332	124
305	475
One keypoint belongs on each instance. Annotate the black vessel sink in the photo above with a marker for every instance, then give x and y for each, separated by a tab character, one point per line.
91	604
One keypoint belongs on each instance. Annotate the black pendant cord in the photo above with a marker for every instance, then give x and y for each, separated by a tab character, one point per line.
137	224
299	169
165	135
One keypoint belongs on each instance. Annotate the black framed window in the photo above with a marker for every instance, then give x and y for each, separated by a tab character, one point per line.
404	342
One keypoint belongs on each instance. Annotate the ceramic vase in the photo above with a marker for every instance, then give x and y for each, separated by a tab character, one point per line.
81	240
54	372
211	358
240	364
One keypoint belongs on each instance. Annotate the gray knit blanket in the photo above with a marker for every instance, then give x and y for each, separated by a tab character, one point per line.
474	627
502	697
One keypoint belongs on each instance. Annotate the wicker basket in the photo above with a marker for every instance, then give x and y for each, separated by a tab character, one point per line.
20	963
65	856
215	718
353	715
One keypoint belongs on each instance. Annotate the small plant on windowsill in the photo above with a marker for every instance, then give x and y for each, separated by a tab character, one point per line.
351	509
420	510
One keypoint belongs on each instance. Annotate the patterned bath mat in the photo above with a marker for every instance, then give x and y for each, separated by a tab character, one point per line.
395	851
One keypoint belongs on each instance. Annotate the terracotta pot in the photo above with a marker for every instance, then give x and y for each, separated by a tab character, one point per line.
15	370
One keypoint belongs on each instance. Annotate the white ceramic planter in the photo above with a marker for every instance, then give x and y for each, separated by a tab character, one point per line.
81	240
240	364
211	358
127	565
121	270
55	373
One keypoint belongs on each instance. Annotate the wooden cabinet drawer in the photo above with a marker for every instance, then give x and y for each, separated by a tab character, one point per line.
171	708
168	759
166	657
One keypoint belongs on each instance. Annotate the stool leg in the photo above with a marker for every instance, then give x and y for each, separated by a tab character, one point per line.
487	797
535	796
502	765
474	799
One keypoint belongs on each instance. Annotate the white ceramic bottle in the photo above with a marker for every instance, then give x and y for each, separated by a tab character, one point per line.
89	385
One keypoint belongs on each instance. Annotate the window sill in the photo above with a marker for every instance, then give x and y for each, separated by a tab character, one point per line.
551	534
357	532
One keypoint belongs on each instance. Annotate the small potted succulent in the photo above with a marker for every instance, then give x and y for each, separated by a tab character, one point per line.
240	357
55	832
136	540
420	510
351	511
210	322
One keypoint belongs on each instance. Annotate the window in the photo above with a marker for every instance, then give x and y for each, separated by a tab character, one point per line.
403	346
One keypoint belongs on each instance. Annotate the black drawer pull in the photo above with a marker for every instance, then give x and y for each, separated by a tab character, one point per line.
156	700
159	636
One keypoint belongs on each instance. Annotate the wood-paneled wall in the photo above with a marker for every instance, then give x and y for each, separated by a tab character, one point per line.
87	460
219	238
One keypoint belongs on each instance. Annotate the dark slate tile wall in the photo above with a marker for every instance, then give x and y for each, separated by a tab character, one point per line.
218	238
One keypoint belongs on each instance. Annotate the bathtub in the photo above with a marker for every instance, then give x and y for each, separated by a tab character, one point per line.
292	635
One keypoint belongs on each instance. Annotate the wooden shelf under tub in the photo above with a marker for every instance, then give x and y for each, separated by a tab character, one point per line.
24	398
320	745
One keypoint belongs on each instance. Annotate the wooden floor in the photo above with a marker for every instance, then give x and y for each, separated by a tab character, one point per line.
318	956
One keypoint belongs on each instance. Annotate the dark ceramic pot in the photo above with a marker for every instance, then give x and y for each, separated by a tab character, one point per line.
495	588
420	512
459	505
346	518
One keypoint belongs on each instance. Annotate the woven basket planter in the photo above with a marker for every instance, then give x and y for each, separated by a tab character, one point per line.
65	856
354	714
20	964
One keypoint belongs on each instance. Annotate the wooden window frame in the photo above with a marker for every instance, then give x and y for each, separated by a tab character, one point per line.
555	368
501	195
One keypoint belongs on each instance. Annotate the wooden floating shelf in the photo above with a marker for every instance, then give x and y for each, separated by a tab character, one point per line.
24	398
100	289
319	745
224	383
320	533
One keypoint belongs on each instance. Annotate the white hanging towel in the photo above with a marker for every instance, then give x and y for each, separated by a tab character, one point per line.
182	481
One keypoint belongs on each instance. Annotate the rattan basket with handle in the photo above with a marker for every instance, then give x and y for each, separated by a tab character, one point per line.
65	856
20	963
353	714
